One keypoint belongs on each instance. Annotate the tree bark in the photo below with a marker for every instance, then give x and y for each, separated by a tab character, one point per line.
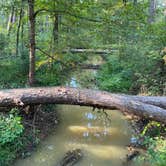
22	37
55	34
153	108
135	2
18	27
11	20
82	50
32	43
101	52
152	8
56	29
90	66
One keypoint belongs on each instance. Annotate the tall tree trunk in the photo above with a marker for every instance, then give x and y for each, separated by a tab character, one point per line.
162	79
124	2
56	28
152	8
32	43
55	33
135	2
22	36
18	27
10	20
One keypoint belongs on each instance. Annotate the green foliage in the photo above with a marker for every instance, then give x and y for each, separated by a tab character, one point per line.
153	129
10	128
114	76
23	63
155	143
139	47
3	43
11	73
137	65
156	152
49	74
87	24
6	156
11	131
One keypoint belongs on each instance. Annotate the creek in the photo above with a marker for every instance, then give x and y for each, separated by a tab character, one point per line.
102	136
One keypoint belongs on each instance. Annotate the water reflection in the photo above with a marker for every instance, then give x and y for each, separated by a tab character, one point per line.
82	79
102	135
73	82
90	115
102	142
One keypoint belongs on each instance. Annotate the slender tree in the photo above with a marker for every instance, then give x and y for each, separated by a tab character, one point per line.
152	8
18	27
135	2
32	43
10	20
55	29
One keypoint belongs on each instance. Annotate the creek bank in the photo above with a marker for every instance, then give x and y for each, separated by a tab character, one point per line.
73	128
46	121
144	131
38	123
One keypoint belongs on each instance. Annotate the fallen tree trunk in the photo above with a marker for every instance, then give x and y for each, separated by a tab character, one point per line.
146	107
93	51
90	66
159	101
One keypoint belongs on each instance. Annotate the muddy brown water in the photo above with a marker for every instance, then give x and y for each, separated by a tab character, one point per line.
102	141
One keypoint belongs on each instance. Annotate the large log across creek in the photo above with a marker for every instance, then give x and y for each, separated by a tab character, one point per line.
153	108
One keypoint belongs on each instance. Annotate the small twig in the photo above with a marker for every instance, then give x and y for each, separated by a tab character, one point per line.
107	116
53	58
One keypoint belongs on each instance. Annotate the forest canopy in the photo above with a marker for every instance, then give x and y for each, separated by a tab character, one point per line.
35	33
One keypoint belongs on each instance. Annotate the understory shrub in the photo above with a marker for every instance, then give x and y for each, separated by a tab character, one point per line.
155	143
114	77
11	130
